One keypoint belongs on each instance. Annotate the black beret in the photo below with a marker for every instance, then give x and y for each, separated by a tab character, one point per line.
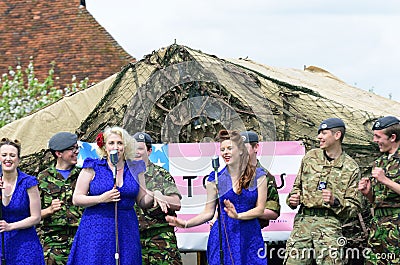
331	123
249	137
62	140
385	122
142	137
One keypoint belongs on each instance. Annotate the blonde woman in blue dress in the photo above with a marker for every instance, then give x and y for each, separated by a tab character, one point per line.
95	240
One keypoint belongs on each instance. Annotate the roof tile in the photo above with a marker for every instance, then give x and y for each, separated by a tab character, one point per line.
58	31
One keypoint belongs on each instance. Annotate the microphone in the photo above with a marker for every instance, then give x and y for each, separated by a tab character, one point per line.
215	165
114	157
215	162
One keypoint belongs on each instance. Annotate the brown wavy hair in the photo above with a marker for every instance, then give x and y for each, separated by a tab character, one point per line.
16	143
247	170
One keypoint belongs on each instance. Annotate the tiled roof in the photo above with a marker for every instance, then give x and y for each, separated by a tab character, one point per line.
58	31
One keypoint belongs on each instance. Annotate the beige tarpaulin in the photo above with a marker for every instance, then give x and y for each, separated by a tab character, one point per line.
328	86
66	114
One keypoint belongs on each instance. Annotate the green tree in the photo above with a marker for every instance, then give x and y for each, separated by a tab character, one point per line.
21	93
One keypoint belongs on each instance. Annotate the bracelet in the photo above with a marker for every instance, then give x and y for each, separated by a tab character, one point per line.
185	224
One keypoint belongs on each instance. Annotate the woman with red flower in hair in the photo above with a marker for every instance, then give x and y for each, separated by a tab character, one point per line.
108	189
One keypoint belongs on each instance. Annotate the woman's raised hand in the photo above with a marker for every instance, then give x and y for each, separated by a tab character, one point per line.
230	209
173	221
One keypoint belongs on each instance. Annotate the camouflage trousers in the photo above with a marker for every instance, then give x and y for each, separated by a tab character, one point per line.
383	241
159	247
56	252
316	238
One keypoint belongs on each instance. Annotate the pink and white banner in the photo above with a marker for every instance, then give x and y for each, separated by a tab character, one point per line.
188	163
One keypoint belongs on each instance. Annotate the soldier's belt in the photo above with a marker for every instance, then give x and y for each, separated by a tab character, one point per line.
151	232
379	212
65	231
317	211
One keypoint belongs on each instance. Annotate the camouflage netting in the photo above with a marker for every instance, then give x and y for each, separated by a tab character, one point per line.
182	95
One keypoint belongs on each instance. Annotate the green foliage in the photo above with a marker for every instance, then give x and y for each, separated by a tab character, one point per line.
21	93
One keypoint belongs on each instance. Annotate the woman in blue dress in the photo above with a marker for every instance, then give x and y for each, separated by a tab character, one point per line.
20	209
106	199
242	190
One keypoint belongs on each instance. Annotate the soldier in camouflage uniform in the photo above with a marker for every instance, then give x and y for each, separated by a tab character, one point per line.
383	191
159	246
60	218
326	190
272	207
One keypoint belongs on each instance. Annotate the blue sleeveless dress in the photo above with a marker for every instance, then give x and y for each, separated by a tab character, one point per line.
242	241
94	242
22	247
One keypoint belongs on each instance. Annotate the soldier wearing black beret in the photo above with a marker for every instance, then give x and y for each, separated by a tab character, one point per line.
383	191
157	237
325	190
60	218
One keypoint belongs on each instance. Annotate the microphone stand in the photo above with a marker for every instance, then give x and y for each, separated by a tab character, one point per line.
3	255
215	164
114	161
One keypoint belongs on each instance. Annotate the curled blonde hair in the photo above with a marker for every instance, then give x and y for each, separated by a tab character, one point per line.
128	140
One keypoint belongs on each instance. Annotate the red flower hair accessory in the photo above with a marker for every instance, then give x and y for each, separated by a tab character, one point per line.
100	140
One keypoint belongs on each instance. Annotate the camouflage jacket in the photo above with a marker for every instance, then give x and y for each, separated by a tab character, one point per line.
383	196
52	186
341	177
157	178
272	194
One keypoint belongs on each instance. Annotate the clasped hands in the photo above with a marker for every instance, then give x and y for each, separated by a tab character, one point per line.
113	195
364	186
327	196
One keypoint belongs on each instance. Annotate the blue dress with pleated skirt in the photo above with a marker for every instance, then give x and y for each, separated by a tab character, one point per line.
95	239
242	241
22	246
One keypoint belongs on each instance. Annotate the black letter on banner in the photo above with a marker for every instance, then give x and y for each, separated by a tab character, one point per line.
189	178
282	177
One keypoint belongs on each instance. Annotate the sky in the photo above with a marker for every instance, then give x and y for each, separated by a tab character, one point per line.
358	40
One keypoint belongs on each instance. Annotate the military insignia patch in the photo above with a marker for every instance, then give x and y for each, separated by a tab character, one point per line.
322	185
